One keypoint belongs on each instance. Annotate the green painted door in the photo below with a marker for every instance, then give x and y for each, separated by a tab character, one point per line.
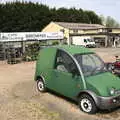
66	78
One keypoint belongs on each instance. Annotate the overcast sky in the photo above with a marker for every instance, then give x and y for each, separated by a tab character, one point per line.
104	7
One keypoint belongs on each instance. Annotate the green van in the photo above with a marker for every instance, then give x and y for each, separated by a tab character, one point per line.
79	74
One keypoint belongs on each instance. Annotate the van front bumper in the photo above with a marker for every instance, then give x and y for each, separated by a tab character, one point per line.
108	102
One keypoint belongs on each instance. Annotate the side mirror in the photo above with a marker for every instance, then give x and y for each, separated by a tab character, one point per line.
85	40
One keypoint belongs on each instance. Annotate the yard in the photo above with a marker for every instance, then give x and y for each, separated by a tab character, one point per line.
19	99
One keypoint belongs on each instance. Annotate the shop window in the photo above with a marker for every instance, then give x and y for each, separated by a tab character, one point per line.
109	30
75	31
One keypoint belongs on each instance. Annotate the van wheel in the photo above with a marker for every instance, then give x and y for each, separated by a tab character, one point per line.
41	85
87	104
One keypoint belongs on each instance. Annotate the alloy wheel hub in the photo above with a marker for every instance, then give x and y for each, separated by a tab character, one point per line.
86	105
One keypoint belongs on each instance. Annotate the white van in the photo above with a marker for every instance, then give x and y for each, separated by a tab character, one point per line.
85	41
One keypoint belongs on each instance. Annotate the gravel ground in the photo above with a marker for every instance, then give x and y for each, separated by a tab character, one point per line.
19	99
107	54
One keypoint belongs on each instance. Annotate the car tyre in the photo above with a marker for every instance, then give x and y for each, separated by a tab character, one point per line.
41	85
87	104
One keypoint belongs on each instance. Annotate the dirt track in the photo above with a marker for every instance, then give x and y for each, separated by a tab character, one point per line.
19	99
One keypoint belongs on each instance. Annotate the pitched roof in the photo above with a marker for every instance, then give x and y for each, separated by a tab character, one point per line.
79	26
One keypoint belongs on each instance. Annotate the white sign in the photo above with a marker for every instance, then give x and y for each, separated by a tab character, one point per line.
11	37
24	36
43	35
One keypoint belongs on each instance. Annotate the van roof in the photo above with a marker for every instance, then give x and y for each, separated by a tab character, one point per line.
75	49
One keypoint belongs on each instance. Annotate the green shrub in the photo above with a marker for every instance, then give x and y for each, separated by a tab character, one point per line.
55	43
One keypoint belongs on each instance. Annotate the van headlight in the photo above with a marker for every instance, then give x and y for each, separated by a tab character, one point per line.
112	91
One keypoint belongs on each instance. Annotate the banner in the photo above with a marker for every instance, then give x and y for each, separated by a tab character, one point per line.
25	36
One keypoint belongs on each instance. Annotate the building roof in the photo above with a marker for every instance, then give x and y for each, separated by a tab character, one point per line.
79	26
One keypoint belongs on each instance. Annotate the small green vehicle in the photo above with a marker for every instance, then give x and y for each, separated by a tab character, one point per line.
79	74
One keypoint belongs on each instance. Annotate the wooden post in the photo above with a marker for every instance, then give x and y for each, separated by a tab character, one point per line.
106	41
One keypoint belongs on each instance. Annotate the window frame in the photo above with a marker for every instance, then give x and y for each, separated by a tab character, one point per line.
75	30
74	62
90	57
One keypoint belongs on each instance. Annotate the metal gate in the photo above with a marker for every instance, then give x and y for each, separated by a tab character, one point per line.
2	54
9	54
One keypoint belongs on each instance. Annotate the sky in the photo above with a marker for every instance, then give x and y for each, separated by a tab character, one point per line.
101	7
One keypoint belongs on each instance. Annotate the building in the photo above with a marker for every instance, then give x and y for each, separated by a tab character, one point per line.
100	34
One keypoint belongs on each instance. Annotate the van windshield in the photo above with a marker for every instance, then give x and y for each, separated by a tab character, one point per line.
90	64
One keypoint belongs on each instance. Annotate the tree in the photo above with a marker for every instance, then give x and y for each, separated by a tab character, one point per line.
28	16
103	20
109	21
93	18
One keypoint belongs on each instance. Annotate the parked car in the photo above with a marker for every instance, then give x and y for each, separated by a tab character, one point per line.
114	67
79	74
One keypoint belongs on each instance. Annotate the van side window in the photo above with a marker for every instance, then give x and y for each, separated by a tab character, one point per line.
65	63
85	40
